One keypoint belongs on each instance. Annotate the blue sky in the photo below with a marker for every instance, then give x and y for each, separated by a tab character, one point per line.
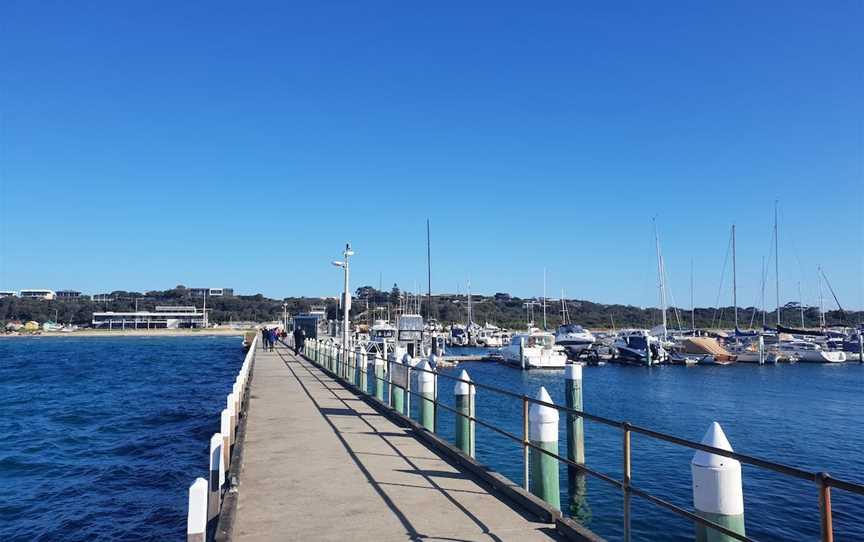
146	144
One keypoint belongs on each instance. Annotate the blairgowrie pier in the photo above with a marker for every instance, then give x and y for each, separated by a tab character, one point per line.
326	445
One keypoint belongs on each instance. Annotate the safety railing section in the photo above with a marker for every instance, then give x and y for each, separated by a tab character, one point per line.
206	494
718	510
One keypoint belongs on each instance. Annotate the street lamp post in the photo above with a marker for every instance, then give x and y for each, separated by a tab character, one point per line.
346	300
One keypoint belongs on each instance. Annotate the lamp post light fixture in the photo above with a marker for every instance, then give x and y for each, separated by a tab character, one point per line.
346	299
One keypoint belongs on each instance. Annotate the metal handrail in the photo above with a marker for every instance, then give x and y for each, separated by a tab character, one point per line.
823	480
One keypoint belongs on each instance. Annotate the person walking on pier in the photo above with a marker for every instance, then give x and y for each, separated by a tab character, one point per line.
299	339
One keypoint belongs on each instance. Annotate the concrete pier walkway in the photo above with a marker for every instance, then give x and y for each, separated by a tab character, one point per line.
319	463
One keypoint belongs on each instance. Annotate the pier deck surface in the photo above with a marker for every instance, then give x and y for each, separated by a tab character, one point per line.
321	464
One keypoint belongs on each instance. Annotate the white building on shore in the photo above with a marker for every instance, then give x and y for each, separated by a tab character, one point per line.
161	318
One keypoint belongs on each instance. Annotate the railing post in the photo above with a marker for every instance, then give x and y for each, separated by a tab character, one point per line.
397	391
717	488
525	447
217	474
626	481
465	407
378	364
825	507
196	518
426	385
543	433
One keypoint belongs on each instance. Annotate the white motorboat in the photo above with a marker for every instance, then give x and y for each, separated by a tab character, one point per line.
810	352
458	335
574	338
534	350
633	346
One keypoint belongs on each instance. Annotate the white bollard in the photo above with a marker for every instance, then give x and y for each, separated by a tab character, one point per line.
543	433
229	404
426	383
217	474
196	518
235	391
718	494
226	440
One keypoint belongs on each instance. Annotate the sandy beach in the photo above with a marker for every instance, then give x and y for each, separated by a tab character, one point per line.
132	333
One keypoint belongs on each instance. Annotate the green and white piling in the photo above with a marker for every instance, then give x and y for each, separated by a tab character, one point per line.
465	407
860	346
196	517
576	480
575	424
379	378
360	361
761	350
543	433
718	494
398	393
426	385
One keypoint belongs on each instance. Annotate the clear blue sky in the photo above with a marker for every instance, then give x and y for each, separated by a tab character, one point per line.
146	144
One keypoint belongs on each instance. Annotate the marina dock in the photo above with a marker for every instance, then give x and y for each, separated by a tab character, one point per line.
320	463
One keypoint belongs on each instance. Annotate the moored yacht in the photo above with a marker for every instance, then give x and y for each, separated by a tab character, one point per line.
574	338
633	346
534	349
810	352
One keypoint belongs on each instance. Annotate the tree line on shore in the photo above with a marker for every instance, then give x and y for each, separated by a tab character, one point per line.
368	303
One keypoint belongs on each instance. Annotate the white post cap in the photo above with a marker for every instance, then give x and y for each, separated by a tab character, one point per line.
225	427
717	483
573	371
229	403
196	519
433	360
406	359
424	379
379	360
216	457
463	388
542	419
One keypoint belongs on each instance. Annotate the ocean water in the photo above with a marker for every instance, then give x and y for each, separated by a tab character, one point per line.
101	437
805	415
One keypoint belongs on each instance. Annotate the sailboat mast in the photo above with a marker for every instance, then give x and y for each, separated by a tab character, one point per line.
692	306
660	274
428	273
777	263
734	280
470	316
544	299
821	303
764	273
801	304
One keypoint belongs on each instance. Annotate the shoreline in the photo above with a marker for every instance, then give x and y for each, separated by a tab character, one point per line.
129	333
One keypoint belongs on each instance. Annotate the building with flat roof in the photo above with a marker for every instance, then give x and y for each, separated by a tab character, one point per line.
37	294
68	294
211	292
161	318
8	293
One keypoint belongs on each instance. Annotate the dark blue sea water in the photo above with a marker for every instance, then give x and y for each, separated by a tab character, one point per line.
100	438
805	415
